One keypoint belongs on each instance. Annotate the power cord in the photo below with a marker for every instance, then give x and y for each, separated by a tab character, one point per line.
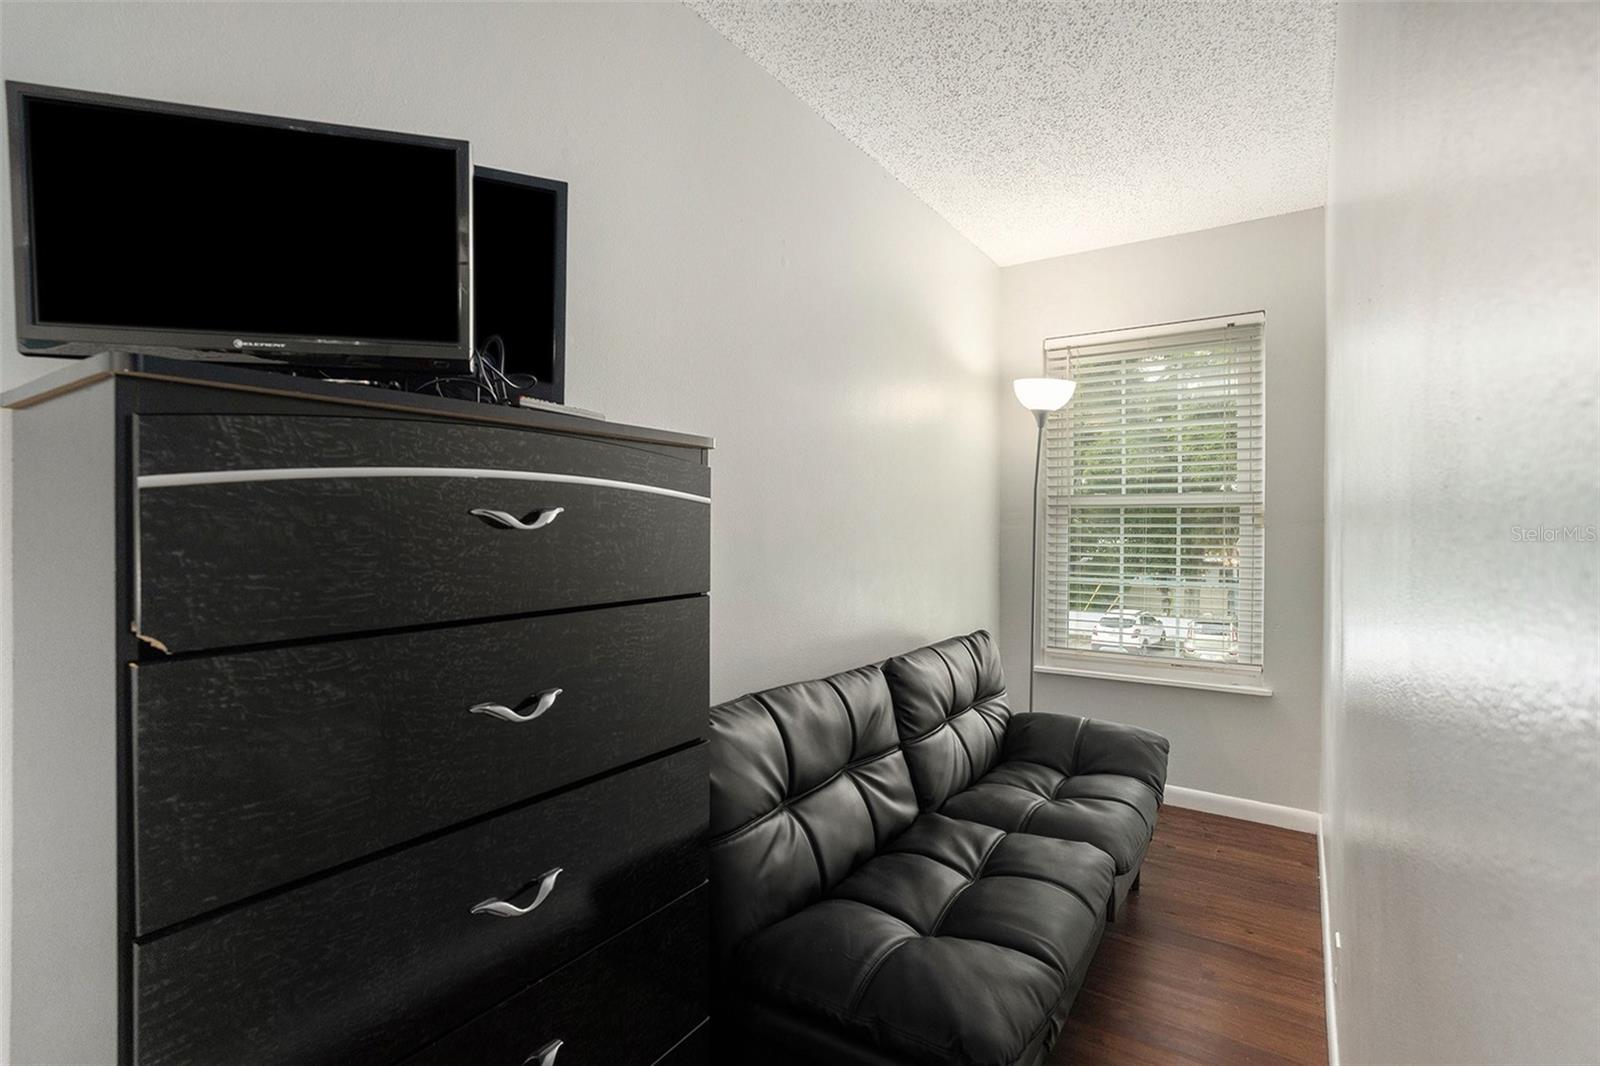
488	382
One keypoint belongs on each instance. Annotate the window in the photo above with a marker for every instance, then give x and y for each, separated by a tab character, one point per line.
1154	498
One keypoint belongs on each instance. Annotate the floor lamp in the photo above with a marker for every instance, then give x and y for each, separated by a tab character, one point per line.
1041	396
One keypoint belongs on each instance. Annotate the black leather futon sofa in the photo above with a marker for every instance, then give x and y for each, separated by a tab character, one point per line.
903	870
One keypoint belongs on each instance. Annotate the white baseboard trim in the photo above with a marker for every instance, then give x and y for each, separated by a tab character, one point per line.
1248	809
1330	1006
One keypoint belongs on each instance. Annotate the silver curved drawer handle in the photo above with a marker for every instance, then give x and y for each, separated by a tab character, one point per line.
545	1056
501	909
547	699
511	521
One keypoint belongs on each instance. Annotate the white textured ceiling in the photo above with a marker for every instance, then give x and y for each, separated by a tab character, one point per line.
1039	129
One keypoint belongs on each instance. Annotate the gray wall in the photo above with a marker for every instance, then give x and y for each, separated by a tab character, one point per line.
1259	748
737	269
1462	780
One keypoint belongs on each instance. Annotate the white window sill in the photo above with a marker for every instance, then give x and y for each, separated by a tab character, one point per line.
1177	677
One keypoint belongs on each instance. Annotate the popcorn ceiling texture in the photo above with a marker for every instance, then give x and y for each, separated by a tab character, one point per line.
1040	129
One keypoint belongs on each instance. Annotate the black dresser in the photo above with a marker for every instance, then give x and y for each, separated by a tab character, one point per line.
354	726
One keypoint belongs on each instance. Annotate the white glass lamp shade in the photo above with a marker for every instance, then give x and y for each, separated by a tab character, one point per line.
1043	394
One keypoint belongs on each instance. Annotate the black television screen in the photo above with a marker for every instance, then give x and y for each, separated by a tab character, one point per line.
519	278
147	226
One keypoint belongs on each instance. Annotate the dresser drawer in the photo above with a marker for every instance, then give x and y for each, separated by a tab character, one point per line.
693	1049
256	529
374	962
627	1002
253	769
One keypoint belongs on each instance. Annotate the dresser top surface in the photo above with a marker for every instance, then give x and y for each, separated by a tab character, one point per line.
265	382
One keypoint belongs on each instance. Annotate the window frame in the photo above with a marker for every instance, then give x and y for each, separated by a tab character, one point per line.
1240	678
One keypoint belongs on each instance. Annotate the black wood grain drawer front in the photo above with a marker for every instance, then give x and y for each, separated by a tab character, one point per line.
372	963
253	769
257	529
626	1003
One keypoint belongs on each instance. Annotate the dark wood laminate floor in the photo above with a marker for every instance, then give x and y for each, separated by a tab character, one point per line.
1218	958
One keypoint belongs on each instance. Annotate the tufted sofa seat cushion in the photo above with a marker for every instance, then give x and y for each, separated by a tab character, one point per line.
1074	779
957	944
1029	798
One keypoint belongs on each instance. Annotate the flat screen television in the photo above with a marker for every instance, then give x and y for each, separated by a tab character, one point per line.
519	278
155	227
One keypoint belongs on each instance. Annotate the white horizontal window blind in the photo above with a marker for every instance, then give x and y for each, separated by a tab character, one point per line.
1154	495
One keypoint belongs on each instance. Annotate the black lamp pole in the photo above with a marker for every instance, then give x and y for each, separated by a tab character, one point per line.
1033	564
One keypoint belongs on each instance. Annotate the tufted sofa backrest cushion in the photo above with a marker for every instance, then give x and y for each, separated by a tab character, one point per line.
949	705
807	782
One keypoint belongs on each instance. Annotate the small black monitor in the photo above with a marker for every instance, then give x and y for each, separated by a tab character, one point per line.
519	278
149	226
